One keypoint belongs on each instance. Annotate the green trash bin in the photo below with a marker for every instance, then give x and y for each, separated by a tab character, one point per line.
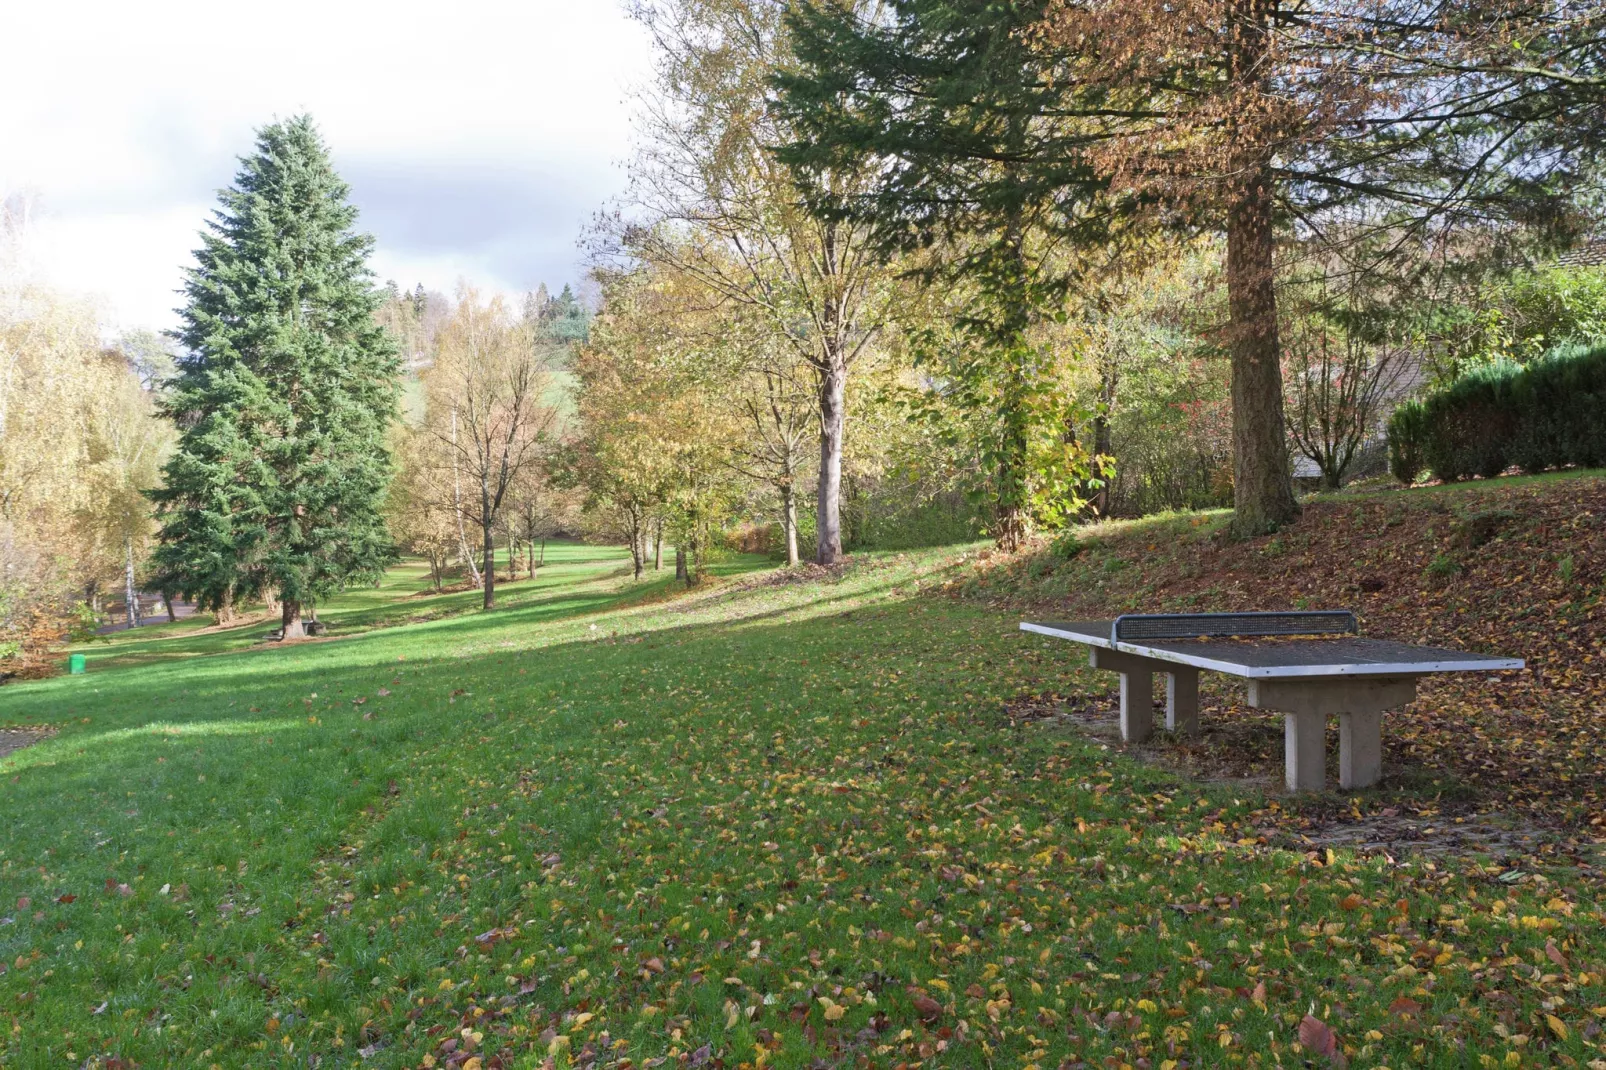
75	664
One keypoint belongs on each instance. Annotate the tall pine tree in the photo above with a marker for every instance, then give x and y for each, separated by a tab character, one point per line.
284	395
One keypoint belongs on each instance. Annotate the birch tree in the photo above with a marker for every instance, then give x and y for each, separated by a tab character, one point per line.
489	395
717	204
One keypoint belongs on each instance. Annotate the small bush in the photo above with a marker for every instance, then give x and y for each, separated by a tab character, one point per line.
1407	435
1547	414
1067	544
1441	568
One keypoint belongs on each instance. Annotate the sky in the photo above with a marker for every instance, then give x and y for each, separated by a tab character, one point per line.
479	138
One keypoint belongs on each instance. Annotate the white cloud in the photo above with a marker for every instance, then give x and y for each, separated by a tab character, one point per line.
479	136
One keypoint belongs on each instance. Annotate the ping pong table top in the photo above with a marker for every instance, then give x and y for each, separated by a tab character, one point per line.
1273	658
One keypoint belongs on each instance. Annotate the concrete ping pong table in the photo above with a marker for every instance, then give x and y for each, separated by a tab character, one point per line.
1305	664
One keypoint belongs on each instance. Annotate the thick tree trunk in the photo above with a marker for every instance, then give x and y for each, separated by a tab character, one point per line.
1009	520
789	520
833	424
1009	515
290	620
225	609
681	572
1263	496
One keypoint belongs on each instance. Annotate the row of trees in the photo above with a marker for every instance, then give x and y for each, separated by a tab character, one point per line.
1036	226
79	442
261	465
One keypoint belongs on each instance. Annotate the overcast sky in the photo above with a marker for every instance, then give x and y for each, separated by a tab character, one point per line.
478	137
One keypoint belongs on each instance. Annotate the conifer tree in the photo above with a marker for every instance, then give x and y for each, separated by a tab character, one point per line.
284	394
1349	127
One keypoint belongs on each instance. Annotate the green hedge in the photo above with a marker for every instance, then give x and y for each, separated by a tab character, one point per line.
1547	414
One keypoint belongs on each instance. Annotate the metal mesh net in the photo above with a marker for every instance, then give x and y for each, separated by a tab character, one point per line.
1193	625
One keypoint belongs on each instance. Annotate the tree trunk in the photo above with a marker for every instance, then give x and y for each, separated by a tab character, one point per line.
542	563
1104	472
681	572
512	559
833	424
290	618
225	609
789	520
658	546
457	506
131	603
488	572
167	604
1009	515
1263	496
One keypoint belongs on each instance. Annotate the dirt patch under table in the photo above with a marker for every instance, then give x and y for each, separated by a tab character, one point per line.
1415	812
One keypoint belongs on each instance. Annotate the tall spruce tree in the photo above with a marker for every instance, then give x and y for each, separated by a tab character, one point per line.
284	395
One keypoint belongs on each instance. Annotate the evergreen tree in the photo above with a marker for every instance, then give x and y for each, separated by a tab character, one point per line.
1345	126
284	395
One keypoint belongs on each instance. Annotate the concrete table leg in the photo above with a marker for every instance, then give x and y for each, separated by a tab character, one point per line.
1182	701
1137	706
1304	751
1360	749
1137	689
1359	704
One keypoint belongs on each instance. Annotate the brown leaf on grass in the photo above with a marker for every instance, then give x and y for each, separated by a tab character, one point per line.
929	1009
1405	1007
1553	953
1316	1038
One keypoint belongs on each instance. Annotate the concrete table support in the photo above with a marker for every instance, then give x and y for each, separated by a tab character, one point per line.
1359	704
1137	693
1182	699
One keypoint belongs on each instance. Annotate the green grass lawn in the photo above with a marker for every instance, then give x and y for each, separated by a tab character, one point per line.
757	824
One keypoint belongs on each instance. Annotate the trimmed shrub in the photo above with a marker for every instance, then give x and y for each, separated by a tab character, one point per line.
1547	414
1407	434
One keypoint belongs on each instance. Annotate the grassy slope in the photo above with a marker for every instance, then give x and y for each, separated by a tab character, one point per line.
765	823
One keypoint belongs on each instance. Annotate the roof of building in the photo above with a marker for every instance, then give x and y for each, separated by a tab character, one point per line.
1591	253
